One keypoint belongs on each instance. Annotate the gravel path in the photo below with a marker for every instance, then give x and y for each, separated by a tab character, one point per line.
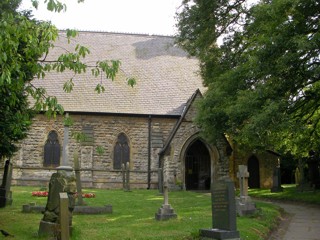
301	223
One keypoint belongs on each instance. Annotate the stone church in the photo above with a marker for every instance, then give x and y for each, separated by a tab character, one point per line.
149	126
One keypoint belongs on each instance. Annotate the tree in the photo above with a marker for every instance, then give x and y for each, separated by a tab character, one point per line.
263	79
25	45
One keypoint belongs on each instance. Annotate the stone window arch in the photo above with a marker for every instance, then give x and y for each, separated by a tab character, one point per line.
52	150
121	154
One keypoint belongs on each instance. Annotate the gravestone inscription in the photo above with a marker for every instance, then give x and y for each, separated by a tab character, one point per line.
224	225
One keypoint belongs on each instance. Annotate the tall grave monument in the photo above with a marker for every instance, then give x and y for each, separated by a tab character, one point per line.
224	223
245	206
166	211
63	181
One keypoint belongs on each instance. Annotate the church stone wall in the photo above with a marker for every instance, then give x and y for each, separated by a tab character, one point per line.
174	161
267	163
96	170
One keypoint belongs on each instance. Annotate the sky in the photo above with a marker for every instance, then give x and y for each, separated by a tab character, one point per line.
155	17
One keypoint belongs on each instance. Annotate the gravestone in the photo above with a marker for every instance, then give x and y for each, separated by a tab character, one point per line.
125	169
313	170
166	211
244	204
80	201
297	176
64	216
62	181
304	184
127	176
224	222
5	192
276	184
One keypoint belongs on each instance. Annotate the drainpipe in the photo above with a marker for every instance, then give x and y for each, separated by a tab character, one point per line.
149	152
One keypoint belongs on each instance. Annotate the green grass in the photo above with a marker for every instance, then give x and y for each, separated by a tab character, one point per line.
290	193
133	216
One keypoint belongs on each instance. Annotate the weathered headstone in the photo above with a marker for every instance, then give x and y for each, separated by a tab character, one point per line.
297	176
244	204
64	216
5	192
62	181
127	176
313	170
166	211
276	184
224	225
304	184
123	171
80	201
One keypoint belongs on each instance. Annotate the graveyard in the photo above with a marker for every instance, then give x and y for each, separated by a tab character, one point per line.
62	209
189	141
133	216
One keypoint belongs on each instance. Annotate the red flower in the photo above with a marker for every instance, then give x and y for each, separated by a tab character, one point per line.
40	194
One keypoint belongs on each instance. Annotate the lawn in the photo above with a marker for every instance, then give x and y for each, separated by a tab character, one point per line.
290	193
133	216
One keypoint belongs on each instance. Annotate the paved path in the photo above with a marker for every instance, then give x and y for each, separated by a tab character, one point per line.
303	223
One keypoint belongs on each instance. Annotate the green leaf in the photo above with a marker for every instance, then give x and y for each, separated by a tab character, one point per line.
131	81
99	88
35	3
68	86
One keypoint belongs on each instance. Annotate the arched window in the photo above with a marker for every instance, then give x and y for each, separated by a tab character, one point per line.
52	150
121	151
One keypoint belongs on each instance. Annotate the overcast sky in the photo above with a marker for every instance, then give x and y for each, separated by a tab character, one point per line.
126	16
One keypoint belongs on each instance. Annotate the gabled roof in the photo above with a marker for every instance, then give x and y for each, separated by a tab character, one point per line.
196	94
166	77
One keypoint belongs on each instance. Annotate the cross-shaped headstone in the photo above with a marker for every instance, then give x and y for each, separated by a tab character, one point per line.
243	176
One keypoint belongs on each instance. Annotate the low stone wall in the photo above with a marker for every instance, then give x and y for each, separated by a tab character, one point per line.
100	179
32	208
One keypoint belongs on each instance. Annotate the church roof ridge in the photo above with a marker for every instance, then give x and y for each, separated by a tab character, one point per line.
120	32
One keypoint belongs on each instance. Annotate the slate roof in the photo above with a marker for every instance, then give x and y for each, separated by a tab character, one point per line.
166	77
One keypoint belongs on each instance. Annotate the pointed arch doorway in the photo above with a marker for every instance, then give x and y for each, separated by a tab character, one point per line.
197	167
254	171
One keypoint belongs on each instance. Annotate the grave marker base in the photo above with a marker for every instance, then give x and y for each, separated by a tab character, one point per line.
245	206
165	212
50	229
219	234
